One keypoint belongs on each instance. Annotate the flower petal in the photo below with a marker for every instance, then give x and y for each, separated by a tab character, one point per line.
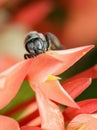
50	114
7	123
31	128
76	86
42	66
6	62
53	90
11	80
87	106
69	57
86	121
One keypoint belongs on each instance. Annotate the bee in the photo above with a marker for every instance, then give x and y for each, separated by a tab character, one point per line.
37	43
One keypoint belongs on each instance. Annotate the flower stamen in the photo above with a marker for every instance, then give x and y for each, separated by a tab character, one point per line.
52	77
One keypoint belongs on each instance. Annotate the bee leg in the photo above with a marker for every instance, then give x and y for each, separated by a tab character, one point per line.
54	41
48	45
26	56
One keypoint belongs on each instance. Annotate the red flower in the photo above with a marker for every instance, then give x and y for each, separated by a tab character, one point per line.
41	72
82	80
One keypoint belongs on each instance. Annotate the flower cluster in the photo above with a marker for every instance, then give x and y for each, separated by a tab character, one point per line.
42	73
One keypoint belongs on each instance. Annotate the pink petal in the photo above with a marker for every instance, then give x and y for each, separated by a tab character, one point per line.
30	114
42	66
69	57
7	123
6	62
87	121
50	114
76	86
53	90
28	15
11	80
87	106
31	128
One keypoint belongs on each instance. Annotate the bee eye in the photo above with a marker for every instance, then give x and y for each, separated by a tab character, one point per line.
38	43
28	38
30	46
